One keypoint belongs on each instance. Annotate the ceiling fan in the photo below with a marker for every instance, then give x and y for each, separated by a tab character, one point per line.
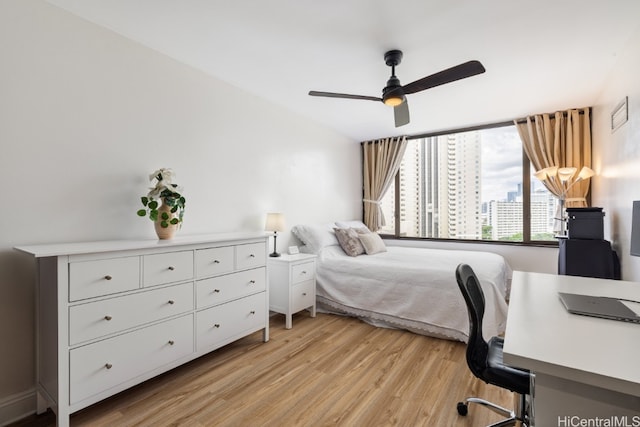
394	93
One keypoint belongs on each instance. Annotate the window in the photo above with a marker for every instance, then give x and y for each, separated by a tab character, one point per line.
468	185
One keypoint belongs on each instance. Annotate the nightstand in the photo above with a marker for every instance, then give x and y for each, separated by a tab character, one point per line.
292	284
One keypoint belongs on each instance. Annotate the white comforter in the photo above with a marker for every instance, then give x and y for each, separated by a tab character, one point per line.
412	288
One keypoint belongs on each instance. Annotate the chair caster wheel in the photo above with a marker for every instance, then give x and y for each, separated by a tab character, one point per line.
462	408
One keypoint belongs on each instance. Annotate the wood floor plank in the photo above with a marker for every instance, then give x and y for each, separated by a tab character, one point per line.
326	371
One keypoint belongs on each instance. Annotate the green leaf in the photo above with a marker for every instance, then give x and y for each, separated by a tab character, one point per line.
153	215
153	205
164	224
182	201
142	212
174	221
165	216
144	200
174	209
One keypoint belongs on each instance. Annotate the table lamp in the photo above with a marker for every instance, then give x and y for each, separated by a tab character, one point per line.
275	223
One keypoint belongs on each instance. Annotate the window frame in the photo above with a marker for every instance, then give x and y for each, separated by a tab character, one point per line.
526	197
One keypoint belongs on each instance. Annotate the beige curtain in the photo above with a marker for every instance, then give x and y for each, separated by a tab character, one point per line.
562	139
381	163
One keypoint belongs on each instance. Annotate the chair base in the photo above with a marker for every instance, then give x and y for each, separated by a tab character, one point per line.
514	418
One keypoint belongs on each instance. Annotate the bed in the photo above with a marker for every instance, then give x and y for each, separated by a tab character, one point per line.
403	287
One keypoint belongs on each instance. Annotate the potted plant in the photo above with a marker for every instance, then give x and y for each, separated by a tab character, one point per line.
167	216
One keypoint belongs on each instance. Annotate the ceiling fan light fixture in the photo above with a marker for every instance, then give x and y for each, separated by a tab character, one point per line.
393	100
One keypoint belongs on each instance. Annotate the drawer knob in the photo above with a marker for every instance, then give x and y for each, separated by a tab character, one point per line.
107	277
171	342
216	291
108	365
252	256
171	301
171	267
252	282
217	325
304	294
252	312
304	272
215	261
107	317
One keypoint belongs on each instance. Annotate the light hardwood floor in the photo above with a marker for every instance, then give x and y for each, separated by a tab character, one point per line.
326	371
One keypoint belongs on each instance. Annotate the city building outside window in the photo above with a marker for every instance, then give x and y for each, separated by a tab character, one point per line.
468	185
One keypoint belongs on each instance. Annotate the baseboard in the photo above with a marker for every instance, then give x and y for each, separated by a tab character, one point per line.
17	406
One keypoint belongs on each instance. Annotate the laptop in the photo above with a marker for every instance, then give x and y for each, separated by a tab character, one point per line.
596	306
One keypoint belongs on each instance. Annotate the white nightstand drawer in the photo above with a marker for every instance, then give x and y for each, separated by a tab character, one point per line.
250	255
214	261
303	272
222	322
167	268
100	318
217	290
99	366
89	279
303	295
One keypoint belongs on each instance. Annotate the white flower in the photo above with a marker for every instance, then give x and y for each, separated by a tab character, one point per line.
164	176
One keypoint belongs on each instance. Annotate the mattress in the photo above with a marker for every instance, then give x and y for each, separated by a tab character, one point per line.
412	288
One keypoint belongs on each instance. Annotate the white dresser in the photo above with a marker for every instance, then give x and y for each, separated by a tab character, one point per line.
113	314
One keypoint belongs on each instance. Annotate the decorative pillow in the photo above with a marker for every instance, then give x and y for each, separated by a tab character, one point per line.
349	241
356	223
315	236
372	242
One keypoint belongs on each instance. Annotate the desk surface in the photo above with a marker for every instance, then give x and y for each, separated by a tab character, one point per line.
543	337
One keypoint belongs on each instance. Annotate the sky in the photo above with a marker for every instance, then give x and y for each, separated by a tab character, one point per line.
501	162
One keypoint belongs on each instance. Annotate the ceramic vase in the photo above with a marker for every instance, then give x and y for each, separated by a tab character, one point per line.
165	233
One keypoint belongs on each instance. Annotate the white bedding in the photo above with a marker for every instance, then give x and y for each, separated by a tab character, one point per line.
412	288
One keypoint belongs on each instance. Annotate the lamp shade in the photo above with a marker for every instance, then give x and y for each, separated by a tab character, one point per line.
565	174
275	222
541	174
585	173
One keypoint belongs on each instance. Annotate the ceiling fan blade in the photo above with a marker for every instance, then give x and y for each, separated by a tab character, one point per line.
449	75
344	95
401	114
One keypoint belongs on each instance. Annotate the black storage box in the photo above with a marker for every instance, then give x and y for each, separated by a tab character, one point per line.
585	223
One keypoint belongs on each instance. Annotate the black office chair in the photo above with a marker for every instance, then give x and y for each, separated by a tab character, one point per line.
485	358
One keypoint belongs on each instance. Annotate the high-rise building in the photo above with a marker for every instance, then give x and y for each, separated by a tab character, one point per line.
439	188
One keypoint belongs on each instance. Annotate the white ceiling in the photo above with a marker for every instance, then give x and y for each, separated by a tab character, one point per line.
540	56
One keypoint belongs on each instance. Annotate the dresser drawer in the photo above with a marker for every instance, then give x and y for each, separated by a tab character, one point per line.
240	317
303	295
214	261
250	256
100	318
303	272
217	290
99	366
88	279
167	268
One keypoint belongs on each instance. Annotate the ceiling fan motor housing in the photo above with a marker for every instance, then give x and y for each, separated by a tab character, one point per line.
393	58
393	94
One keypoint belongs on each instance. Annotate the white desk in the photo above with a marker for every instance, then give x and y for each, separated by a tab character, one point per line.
584	367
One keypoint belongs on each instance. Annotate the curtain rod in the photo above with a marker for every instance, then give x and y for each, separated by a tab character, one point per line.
477	127
564	113
460	130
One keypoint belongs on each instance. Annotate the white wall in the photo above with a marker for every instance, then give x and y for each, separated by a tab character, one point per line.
617	155
86	115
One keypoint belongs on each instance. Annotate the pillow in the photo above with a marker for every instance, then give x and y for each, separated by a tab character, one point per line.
349	241
315	236
356	223
372	242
